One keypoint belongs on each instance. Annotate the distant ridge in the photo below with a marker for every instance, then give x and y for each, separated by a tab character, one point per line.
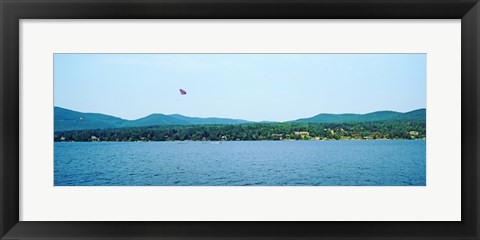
66	120
419	114
177	119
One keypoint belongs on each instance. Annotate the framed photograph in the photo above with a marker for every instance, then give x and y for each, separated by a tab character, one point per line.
239	120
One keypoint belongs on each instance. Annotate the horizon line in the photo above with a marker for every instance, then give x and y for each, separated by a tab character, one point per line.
422	108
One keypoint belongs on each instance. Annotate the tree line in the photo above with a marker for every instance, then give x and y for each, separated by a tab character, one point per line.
253	132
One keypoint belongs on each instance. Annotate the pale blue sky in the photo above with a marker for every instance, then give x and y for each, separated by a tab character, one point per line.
257	87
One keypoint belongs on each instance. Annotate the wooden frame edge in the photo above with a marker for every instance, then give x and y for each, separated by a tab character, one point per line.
13	10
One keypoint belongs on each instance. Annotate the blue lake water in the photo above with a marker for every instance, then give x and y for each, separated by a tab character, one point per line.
241	163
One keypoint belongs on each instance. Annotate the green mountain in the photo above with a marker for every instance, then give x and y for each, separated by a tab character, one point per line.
176	119
195	120
70	120
66	120
419	114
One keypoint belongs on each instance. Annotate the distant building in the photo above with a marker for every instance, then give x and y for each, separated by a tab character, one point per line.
413	133
302	133
62	139
277	136
94	138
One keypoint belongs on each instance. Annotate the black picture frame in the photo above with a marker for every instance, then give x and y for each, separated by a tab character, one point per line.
13	10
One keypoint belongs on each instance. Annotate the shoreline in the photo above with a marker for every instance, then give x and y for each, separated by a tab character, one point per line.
220	141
